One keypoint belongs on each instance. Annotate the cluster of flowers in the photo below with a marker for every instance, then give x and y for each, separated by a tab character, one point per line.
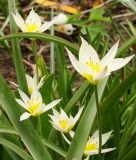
89	66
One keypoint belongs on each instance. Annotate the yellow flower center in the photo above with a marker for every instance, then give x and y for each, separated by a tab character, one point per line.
91	147
31	27
33	106
95	67
63	123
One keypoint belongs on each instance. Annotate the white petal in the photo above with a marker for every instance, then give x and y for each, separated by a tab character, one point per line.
19	21
33	18
22	104
66	139
87	52
78	115
118	63
61	19
46	26
68	29
57	127
24	96
63	115
81	68
107	150
72	133
30	80
87	158
40	83
102	74
24	116
56	113
51	105
91	152
105	137
36	96
110	55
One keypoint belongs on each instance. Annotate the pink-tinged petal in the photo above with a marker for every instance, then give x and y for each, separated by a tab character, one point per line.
51	105
19	21
24	116
118	63
80	68
87	52
110	55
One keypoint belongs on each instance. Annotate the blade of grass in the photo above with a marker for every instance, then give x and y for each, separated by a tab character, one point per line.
25	129
43	36
15	148
82	132
11	130
16	50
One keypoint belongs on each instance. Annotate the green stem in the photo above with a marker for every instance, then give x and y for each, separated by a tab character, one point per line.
52	55
99	121
34	48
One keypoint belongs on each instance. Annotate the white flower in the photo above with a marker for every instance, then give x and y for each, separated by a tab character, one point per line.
61	19
92	146
33	22
94	69
32	83
34	105
66	28
62	122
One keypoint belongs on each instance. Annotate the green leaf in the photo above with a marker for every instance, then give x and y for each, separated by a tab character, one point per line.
43	36
54	147
82	132
79	93
25	129
15	148
16	50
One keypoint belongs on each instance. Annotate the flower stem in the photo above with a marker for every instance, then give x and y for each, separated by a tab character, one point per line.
99	121
34	48
52	54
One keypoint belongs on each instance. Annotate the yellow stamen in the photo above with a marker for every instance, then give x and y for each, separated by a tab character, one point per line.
31	27
33	106
63	123
91	147
95	67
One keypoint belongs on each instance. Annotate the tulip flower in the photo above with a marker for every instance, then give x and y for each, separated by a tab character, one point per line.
62	122
92	145
33	22
66	28
94	69
61	19
34	105
32	83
